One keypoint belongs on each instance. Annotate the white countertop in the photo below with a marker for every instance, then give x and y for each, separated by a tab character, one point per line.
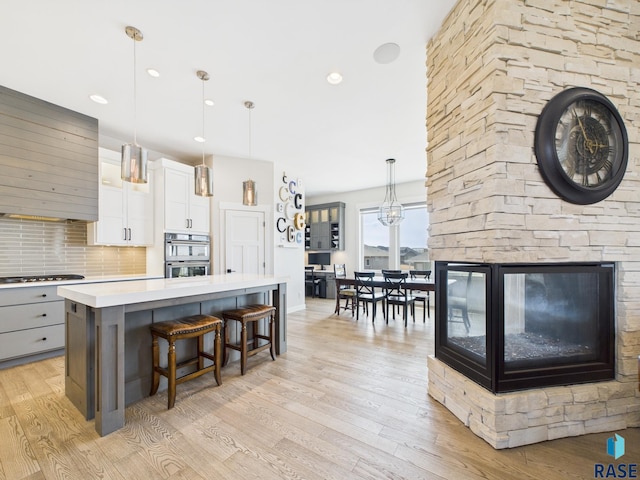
108	294
90	279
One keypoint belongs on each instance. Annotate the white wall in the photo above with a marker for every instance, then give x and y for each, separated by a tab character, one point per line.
289	258
228	175
410	192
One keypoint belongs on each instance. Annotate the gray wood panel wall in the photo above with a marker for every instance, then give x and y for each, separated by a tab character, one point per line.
48	159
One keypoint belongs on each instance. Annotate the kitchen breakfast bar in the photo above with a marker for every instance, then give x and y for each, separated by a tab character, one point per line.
108	362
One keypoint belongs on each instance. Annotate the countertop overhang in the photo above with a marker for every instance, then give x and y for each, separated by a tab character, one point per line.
109	294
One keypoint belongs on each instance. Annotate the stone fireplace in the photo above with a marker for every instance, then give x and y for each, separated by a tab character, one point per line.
490	70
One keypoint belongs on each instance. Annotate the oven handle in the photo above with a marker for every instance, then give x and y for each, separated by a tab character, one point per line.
186	242
187	263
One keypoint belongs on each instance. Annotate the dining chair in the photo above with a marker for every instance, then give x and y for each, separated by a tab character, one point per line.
458	297
366	294
311	282
384	272
345	292
422	297
397	293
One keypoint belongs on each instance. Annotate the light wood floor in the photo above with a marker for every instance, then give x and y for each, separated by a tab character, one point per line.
347	401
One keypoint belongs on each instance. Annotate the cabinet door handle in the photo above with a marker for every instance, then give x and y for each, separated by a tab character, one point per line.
129	233
186	221
44	315
44	339
44	295
124	234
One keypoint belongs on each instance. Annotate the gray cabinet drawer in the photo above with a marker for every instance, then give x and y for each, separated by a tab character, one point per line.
36	294
23	317
35	340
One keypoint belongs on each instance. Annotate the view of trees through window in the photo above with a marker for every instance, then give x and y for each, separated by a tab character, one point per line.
412	250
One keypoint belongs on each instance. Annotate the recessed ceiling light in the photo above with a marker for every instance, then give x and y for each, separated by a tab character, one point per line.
386	53
199	139
208	102
334	78
153	72
99	99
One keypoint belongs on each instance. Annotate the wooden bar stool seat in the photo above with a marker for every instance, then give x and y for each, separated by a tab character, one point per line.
196	326
249	347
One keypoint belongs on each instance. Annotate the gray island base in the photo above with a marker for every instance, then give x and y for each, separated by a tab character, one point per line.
108	360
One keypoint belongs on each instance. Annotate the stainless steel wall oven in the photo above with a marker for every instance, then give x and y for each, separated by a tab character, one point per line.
186	255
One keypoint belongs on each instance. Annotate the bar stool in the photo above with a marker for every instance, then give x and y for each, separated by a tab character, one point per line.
188	327
244	315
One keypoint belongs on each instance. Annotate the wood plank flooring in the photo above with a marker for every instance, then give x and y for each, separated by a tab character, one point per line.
347	401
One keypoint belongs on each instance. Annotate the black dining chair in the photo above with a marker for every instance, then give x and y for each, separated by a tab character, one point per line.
366	294
345	292
422	297
396	293
311	282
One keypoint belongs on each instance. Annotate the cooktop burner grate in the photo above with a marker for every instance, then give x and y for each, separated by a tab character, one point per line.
40	278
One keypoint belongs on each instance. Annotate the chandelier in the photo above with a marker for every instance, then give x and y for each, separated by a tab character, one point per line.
391	212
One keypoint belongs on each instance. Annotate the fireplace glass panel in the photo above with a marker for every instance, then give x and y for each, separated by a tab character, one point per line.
467	314
550	319
518	326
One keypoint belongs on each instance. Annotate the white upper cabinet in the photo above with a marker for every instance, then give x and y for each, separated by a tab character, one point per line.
184	211
125	210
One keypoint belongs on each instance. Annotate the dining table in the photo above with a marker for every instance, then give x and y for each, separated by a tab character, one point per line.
378	282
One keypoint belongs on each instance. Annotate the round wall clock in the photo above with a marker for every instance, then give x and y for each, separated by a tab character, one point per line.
581	145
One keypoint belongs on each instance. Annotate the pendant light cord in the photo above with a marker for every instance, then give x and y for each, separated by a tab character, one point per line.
203	139
135	102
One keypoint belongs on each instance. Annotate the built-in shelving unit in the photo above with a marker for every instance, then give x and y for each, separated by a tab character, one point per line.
324	228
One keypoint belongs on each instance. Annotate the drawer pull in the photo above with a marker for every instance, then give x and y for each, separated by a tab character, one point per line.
44	339
44	294
44	314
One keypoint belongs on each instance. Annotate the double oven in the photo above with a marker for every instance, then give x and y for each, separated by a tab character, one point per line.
186	255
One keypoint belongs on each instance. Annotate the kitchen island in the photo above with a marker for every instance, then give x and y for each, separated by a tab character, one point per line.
108	344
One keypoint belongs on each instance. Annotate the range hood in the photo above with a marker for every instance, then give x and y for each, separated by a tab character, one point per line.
48	160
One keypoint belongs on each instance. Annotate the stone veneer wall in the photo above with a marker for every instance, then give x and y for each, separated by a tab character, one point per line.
491	69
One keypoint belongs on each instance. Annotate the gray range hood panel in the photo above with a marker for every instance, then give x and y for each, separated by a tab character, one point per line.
48	159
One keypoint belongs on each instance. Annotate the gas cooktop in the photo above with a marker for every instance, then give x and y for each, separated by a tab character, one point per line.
40	278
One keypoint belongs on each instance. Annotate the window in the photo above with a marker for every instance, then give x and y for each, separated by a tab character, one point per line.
404	246
375	241
413	251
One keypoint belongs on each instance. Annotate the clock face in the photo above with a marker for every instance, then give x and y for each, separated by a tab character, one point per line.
581	145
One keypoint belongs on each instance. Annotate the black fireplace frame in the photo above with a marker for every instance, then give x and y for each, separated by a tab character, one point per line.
490	372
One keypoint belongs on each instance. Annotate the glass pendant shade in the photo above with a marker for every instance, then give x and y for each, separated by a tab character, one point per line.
204	181
249	194
203	175
391	212
134	157
134	164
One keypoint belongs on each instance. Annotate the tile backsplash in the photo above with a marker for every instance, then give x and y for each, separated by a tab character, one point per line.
29	247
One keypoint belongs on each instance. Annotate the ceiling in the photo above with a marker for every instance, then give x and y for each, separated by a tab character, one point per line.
276	53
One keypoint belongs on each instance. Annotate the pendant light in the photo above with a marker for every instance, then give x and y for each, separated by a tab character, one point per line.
249	194
134	157
391	212
203	174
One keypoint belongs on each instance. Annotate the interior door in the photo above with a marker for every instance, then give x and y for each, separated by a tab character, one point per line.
244	241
